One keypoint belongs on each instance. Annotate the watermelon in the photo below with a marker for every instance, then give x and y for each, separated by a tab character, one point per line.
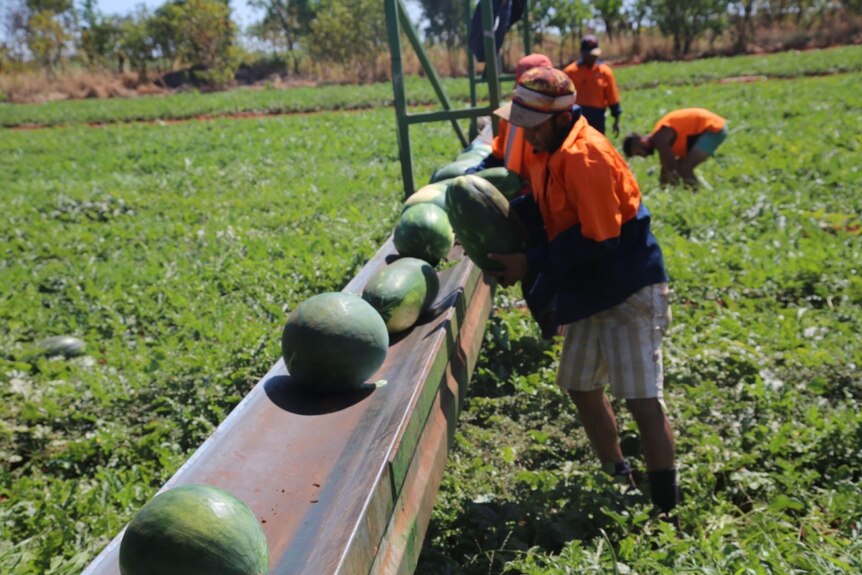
434	193
334	341
194	530
454	169
476	149
508	182
424	232
401	291
482	221
65	345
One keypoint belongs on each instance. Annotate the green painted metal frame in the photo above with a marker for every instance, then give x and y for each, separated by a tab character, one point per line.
396	22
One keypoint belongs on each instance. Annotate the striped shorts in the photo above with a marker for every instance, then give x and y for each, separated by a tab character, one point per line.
620	346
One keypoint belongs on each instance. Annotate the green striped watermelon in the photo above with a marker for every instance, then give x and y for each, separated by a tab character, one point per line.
424	232
401	291
334	341
194	530
483	221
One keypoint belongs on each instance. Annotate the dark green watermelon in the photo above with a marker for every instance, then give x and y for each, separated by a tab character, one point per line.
424	232
454	169
475	151
194	530
401	291
508	182
334	341
432	282
483	221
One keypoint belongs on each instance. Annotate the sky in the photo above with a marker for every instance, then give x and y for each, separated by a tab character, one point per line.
243	13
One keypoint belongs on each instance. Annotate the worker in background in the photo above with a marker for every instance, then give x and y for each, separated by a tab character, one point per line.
595	85
508	147
684	139
604	268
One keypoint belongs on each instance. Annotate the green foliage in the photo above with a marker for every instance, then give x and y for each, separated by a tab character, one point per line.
351	33
174	250
686	20
446	22
100	40
285	22
205	36
46	37
135	43
610	11
567	18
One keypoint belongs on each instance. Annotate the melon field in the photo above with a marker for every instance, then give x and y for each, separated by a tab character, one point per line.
174	250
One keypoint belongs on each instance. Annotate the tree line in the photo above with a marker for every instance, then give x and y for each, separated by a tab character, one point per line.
308	35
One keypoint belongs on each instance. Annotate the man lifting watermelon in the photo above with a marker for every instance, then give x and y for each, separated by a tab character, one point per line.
601	264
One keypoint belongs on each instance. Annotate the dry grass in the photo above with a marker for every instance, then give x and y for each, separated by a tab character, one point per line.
39	87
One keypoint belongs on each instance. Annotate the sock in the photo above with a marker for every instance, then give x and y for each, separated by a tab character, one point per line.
664	489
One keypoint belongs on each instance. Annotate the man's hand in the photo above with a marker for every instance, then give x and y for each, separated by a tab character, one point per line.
669	177
616	126
516	267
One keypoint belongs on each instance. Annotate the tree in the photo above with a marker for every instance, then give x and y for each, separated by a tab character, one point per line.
541	15
292	17
637	14
686	20
289	19
351	33
15	31
206	37
742	22
569	18
46	38
165	29
610	11
100	35
135	43
446	25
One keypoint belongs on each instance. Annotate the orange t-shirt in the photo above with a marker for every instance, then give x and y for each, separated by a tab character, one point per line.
510	146
688	122
587	182
594	86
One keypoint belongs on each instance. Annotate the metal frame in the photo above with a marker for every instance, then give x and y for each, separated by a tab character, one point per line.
396	22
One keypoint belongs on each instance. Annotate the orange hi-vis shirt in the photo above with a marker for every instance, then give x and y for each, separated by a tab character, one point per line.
587	182
687	123
595	86
510	146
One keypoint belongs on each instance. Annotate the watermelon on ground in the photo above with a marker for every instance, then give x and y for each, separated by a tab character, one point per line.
334	341
424	232
194	530
483	221
401	291
65	345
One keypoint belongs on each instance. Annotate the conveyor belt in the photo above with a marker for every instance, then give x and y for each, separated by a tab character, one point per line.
345	484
